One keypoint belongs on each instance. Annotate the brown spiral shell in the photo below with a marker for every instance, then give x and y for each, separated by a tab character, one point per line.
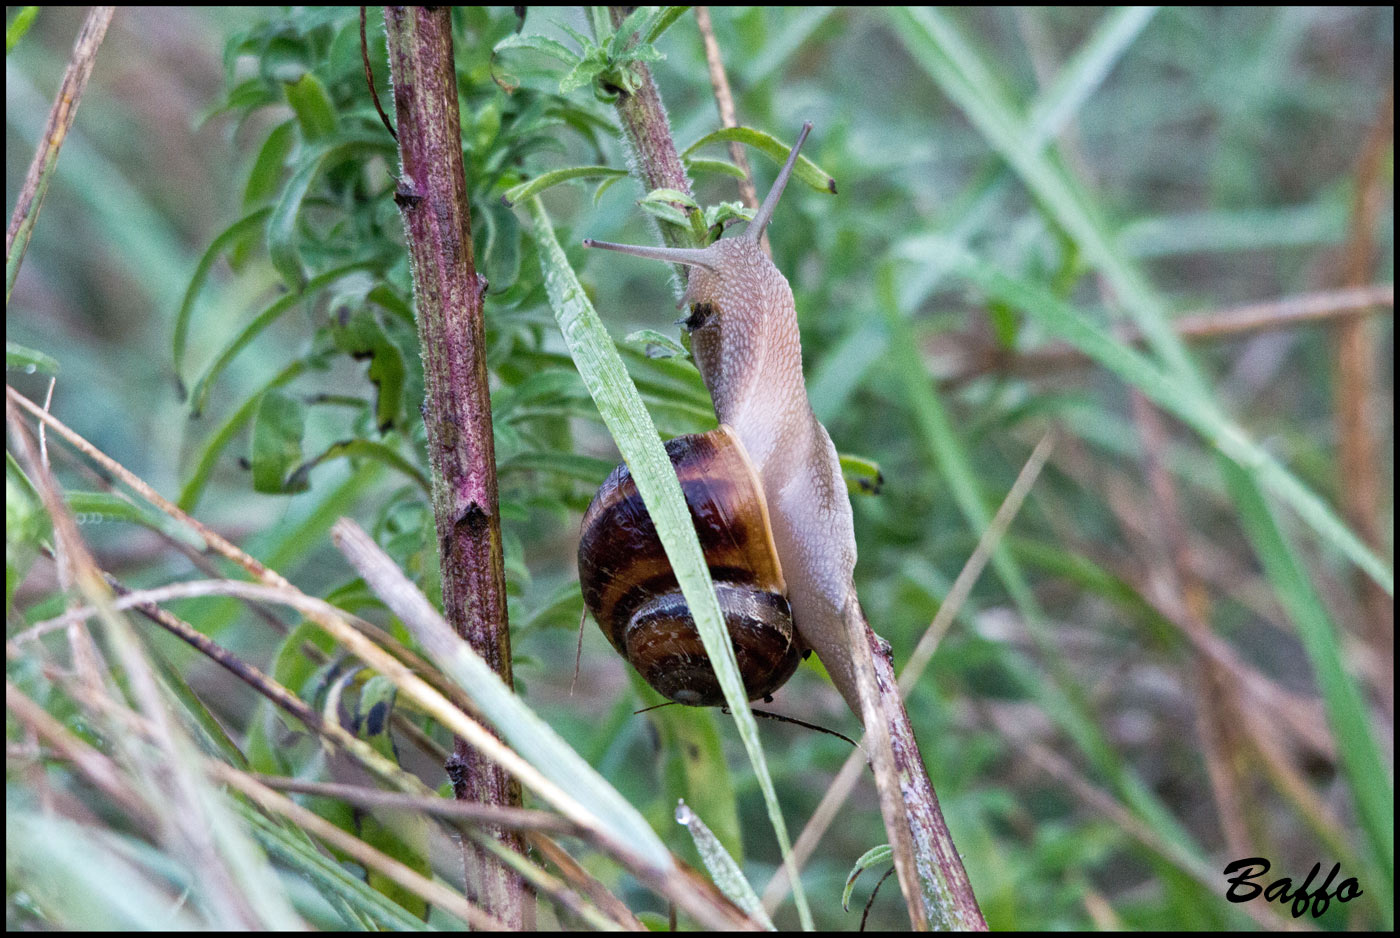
631	591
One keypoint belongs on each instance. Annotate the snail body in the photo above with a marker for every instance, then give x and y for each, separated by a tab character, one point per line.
746	344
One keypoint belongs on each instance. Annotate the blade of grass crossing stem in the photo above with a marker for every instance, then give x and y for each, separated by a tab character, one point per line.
957	69
1356	744
600	366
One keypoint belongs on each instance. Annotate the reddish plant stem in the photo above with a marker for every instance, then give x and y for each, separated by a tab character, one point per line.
936	858
1356	386
647	131
432	197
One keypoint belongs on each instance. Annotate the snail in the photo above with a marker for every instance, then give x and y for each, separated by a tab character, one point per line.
745	342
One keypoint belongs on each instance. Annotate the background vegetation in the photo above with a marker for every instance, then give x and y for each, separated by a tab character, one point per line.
1176	659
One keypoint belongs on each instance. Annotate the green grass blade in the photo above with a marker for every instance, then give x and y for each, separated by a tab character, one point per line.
723	870
1082	75
1362	763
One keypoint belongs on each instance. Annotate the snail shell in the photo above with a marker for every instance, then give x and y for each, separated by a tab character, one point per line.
632	593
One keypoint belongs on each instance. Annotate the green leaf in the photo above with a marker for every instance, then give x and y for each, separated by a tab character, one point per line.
27	527
537	43
875	856
696	164
540	183
282	223
19	26
588	68
771	146
661	21
717	215
616	42
312	106
499	258
363	337
669	196
666	212
28	360
276	443
200	395
604	186
299	479
863	476
223	241
109	506
266	174
209	455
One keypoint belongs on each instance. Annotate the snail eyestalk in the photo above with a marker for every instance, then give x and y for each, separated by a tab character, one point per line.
692	256
765	211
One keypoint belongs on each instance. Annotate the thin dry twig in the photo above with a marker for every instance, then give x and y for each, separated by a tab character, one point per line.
724	101
65	108
471	812
1356	387
583	881
369	78
1284	313
1216	698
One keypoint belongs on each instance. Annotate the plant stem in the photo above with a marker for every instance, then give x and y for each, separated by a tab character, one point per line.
432	197
41	169
647	131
